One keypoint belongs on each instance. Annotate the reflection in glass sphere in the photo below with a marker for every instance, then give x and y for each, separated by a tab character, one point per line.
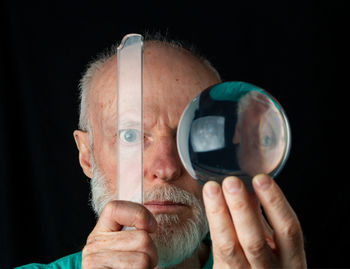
233	129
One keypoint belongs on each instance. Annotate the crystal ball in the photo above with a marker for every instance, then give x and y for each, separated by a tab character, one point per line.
233	129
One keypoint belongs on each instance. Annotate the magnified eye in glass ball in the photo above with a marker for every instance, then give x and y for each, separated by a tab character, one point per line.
233	129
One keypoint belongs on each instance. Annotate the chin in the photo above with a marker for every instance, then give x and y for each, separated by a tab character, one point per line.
177	239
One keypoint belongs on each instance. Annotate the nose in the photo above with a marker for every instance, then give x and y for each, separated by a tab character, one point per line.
161	160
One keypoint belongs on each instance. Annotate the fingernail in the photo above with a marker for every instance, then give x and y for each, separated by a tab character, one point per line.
232	184
262	181
212	189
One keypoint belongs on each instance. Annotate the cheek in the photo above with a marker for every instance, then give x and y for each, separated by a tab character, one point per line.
129	176
106	159
192	186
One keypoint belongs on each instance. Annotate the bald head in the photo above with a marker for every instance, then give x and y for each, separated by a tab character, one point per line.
104	66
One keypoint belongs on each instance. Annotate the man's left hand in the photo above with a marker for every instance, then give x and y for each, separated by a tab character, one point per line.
241	237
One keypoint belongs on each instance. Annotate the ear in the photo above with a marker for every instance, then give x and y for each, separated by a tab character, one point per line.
82	140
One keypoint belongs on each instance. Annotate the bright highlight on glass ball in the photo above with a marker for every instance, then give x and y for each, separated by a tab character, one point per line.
233	129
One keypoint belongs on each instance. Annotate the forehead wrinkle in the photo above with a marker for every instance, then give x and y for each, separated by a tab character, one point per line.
160	112
150	115
159	117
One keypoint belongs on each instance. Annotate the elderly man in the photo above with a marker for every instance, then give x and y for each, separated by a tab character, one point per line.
172	227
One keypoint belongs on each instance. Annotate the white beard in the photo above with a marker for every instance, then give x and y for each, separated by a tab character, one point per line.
175	239
100	193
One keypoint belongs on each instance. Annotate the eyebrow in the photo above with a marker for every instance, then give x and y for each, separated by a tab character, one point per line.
129	123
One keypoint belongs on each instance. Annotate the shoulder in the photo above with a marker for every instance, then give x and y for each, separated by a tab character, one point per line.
71	261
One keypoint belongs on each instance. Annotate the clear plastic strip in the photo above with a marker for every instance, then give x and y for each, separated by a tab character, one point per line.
130	119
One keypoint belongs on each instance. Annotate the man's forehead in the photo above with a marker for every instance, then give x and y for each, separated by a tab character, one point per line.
170	75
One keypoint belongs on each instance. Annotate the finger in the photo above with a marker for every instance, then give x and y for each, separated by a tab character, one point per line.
268	232
287	230
226	248
126	241
119	213
247	223
115	259
267	228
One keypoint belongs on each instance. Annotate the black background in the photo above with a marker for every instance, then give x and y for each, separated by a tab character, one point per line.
290	48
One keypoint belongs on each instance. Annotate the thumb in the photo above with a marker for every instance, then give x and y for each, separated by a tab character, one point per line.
117	214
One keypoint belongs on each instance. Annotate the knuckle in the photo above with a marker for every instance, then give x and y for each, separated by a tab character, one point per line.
93	238
240	206
139	215
227	250
276	201
109	208
88	261
215	211
256	248
88	249
291	230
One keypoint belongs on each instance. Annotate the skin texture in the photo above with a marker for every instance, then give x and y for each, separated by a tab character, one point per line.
172	77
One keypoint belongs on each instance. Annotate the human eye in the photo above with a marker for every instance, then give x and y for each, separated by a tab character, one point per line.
268	133
130	136
266	140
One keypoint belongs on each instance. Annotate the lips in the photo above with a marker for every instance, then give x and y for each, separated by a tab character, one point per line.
163	203
158	207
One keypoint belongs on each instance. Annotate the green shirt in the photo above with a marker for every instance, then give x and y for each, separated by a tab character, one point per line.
74	261
70	261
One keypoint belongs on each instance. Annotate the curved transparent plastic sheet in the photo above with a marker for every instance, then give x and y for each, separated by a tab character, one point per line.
233	129
130	119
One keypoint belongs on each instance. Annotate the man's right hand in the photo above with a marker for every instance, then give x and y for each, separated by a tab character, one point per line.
109	247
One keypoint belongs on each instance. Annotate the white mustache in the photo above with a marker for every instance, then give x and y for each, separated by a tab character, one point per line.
170	193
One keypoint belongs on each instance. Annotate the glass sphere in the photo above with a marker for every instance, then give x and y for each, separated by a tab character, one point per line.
233	129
